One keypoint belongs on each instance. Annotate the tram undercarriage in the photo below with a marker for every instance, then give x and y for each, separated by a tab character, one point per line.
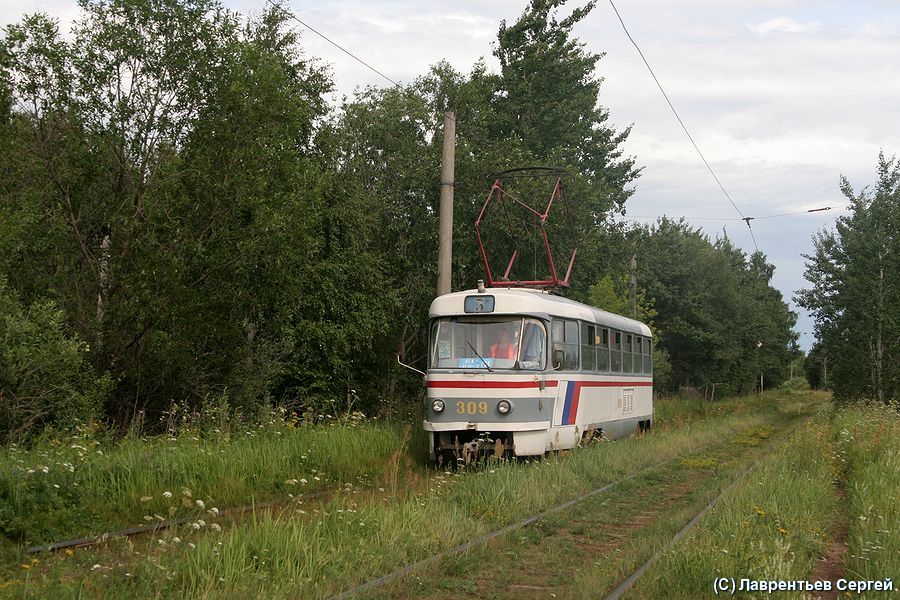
467	447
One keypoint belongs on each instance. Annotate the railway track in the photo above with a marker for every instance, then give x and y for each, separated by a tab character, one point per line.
369	585
87	542
395	576
396	579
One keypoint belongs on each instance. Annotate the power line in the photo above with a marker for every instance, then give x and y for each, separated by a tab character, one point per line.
799	212
336	45
333	43
680	122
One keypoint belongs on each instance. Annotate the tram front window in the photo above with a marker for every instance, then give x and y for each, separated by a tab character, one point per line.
487	343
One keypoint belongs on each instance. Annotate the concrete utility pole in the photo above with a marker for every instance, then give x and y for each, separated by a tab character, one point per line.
102	292
445	227
632	287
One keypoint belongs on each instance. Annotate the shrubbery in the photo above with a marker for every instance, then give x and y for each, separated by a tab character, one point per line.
795	384
44	374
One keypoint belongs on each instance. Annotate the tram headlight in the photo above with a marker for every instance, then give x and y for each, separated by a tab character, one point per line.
437	406
504	407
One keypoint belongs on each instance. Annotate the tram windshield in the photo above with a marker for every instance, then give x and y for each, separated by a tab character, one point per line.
488	343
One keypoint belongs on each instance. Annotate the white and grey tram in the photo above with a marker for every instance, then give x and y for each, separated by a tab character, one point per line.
520	372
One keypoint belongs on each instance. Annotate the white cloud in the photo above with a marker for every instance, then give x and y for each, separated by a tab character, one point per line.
784	25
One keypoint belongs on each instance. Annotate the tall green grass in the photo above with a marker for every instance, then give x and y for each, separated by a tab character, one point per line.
772	526
868	445
86	483
314	551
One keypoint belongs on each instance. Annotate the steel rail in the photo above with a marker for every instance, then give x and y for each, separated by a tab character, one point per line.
374	583
160	526
626	585
489	536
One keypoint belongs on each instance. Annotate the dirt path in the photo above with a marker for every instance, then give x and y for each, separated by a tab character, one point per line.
831	566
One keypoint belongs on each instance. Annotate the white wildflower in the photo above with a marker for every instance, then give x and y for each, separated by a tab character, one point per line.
200	504
167	494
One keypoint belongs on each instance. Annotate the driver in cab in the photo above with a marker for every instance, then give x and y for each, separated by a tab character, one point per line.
503	349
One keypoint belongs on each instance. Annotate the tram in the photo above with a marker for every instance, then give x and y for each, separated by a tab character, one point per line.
523	371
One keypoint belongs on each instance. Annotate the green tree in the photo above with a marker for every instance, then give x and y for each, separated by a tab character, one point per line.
855	289
172	179
718	315
815	367
166	192
547	103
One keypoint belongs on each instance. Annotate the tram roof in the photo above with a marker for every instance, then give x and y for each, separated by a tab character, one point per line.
526	301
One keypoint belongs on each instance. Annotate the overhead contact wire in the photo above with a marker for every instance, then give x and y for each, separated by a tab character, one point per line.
333	43
680	122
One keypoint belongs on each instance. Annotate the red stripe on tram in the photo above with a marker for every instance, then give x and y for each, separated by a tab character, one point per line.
491	384
615	383
532	384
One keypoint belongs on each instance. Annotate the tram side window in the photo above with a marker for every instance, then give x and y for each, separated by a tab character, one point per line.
635	354
616	351
588	347
648	356
628	355
603	351
565	343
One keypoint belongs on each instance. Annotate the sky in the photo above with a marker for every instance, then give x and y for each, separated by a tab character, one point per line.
782	97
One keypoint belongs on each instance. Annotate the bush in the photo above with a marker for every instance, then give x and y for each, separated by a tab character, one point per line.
795	384
44	377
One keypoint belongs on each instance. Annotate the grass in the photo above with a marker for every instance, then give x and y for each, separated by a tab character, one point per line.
868	459
785	516
317	549
85	483
586	550
771	526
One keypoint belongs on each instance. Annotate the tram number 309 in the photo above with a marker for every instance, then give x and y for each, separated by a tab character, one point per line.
471	408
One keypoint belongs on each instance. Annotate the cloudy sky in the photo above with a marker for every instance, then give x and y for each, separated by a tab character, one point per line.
783	97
